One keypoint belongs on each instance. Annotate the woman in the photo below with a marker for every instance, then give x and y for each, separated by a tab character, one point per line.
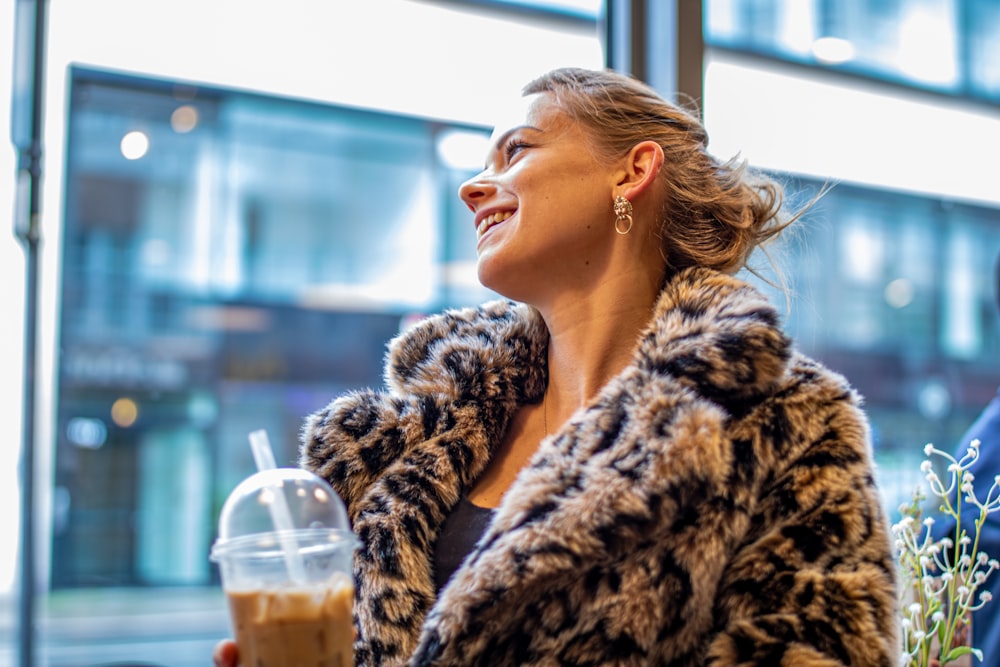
659	478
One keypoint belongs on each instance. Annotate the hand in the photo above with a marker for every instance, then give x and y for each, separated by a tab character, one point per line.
226	654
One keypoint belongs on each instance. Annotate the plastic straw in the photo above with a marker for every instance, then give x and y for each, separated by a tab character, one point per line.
281	516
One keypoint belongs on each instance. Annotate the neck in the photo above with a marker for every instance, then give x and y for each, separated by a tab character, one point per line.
591	340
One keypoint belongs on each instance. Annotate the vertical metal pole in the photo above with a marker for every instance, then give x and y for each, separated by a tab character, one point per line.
26	599
26	228
625	36
690	51
659	42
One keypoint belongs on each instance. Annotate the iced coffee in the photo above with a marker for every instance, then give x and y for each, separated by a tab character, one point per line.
294	627
290	590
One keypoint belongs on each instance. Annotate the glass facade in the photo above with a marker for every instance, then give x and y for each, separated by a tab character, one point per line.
950	46
231	262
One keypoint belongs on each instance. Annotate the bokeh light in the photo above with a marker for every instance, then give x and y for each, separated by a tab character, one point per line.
124	412
134	145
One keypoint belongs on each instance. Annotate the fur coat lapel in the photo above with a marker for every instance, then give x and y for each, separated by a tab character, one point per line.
643	496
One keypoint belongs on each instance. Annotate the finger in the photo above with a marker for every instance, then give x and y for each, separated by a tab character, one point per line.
225	654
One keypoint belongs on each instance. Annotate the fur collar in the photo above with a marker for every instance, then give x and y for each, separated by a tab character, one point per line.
713	333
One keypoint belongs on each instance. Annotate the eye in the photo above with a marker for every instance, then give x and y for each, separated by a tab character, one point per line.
513	147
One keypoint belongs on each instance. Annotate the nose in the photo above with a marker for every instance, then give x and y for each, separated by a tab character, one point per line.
475	190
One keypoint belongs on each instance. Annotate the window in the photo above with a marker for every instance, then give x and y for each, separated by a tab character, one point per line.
246	265
940	45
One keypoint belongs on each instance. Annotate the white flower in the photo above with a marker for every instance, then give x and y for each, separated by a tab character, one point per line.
944	577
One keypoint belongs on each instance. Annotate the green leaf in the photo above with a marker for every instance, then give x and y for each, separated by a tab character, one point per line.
959	651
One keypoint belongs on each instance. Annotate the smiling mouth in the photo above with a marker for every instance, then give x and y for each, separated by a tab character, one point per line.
490	220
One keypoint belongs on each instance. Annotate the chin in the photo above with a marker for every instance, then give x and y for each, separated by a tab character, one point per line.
517	278
494	280
485	281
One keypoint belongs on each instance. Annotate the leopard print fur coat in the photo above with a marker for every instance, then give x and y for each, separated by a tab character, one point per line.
715	504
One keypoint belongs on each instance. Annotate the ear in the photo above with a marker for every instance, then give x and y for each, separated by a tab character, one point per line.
639	169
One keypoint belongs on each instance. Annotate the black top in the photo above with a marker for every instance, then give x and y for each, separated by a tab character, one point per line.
459	534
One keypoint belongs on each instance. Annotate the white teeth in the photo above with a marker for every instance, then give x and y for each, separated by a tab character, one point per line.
491	220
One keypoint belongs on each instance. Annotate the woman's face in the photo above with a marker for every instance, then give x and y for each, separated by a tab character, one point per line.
543	205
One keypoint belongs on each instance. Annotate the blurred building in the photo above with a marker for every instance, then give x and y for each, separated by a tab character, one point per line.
232	256
231	261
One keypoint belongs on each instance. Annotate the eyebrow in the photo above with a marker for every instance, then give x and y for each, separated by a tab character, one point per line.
502	139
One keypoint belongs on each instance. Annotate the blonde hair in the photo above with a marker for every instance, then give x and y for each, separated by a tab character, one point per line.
714	213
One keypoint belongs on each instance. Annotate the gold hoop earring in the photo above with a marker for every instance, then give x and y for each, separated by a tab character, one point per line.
623	215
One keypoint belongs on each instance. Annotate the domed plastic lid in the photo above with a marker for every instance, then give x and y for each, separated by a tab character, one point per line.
309	504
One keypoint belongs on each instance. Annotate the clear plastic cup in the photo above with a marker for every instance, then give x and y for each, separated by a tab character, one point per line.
290	591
